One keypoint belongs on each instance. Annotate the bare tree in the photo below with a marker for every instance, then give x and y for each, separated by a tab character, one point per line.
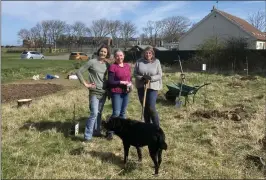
24	35
174	27
147	35
150	30
50	31
79	31
258	20
57	28
143	38
114	27
45	30
40	31
35	36
127	31
99	30
69	37
153	30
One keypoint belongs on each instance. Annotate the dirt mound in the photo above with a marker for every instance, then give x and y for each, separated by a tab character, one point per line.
245	78
12	92
235	84
239	113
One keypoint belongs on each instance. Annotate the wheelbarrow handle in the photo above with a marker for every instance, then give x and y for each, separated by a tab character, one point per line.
205	84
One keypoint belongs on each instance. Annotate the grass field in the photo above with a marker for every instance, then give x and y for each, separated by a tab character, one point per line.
198	147
13	68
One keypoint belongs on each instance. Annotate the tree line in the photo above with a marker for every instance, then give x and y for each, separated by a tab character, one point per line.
169	30
56	31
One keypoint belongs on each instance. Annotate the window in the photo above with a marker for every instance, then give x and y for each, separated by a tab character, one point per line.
73	54
25	52
82	54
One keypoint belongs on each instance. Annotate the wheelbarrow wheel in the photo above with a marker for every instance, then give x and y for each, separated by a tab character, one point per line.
170	96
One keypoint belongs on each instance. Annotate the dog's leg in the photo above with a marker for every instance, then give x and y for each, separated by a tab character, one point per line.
154	156
139	154
160	157
126	149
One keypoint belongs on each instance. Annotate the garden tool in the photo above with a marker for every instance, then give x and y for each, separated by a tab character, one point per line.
146	85
182	77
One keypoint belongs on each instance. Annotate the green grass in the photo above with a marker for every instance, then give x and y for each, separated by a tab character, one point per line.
55	54
197	147
13	68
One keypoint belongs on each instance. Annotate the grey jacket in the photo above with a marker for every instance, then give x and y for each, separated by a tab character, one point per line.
153	69
97	74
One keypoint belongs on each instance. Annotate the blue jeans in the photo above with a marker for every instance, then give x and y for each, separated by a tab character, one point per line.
93	124
150	113
119	104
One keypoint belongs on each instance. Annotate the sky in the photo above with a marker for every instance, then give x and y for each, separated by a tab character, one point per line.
17	15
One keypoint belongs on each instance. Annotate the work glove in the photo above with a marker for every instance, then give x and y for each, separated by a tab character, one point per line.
146	77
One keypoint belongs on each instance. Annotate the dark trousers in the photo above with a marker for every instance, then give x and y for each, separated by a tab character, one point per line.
150	113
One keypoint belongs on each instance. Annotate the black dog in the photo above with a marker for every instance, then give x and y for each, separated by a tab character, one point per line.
139	134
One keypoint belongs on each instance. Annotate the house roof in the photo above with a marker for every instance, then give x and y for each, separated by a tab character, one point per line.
161	48
244	25
141	47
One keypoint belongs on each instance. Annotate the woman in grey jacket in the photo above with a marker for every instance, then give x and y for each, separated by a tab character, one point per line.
149	68
97	69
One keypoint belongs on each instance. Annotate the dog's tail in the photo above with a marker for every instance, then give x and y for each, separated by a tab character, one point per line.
161	141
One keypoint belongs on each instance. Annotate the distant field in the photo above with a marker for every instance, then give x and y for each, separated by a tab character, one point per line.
13	68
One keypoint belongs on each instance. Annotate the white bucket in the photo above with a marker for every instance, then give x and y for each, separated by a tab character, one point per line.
203	67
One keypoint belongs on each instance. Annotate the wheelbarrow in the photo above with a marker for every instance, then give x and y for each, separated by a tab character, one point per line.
174	91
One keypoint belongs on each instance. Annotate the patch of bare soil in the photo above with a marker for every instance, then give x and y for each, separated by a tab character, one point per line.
245	78
12	92
239	113
236	84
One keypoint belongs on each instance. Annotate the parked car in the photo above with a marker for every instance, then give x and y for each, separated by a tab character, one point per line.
31	55
78	56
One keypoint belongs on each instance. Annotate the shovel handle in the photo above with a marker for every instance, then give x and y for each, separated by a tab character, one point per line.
144	98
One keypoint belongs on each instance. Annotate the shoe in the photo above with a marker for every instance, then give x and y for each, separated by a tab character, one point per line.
86	141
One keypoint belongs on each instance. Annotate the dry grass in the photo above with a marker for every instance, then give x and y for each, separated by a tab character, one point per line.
199	147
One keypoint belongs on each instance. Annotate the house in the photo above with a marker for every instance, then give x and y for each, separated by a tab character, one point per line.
222	25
